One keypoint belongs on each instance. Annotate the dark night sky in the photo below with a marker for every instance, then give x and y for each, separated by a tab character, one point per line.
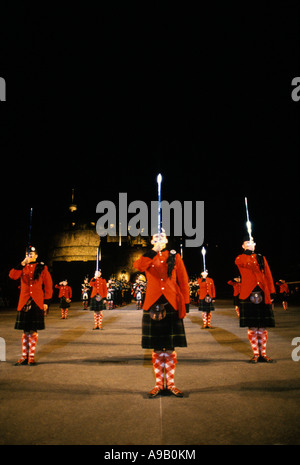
103	100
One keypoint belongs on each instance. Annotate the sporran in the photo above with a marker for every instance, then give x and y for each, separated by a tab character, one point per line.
27	306
256	297
157	312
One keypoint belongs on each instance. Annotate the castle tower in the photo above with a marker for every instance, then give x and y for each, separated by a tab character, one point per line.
73	251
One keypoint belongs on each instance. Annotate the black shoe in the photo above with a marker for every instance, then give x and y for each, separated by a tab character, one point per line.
175	391
155	391
32	364
254	359
21	362
265	359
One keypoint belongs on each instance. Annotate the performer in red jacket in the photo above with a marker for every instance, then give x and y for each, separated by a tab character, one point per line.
165	306
98	296
256	296
35	296
283	293
236	284
207	294
65	296
138	289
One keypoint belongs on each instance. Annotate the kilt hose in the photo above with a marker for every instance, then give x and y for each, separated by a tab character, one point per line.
29	342
258	339
206	318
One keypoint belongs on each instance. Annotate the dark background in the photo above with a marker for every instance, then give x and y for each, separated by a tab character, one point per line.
101	100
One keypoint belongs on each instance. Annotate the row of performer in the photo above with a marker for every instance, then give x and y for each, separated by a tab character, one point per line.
122	292
202	294
165	298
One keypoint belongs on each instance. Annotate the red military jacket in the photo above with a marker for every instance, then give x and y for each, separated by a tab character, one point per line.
236	287
64	291
283	287
206	286
99	286
40	289
252	276
175	288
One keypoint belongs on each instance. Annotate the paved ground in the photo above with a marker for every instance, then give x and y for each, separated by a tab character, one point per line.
89	387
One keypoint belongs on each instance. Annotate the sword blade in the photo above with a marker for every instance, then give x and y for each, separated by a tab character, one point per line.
159	180
248	222
203	251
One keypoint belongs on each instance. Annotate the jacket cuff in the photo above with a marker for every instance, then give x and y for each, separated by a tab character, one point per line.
19	266
150	254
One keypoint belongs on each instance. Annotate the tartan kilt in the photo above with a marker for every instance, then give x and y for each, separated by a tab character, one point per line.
283	297
167	333
63	303
256	315
96	306
236	300
206	306
32	320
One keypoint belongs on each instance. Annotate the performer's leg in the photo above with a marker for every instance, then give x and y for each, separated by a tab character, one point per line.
253	338
32	346
170	364
25	344
62	314
262	340
208	320
158	361
95	320
204	318
100	318
66	313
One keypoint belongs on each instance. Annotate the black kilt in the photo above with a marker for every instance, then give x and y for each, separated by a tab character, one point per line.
206	306
236	300
32	320
256	315
97	306
283	297
63	303
167	333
